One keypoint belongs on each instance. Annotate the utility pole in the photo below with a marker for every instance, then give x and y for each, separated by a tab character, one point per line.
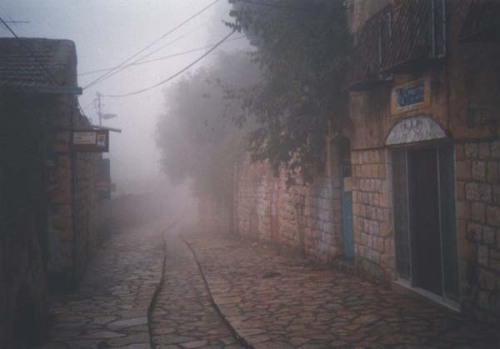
98	104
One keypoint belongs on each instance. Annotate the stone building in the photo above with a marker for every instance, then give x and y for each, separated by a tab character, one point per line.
48	218
411	193
424	89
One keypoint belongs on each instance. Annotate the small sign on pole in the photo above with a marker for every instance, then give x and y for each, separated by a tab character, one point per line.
90	140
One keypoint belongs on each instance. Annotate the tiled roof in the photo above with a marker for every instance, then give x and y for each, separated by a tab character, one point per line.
37	64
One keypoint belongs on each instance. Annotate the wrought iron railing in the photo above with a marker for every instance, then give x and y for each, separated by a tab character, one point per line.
399	39
367	54
418	35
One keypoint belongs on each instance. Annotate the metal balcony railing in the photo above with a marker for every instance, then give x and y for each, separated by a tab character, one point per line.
401	38
417	36
366	57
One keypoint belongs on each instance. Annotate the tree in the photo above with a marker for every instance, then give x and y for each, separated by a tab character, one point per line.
302	47
196	139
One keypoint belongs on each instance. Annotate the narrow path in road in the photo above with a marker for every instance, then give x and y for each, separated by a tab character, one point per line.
184	316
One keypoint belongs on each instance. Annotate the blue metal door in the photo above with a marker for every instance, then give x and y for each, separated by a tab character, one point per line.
346	200
348	242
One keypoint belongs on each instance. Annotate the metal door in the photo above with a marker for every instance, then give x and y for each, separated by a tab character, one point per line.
424	218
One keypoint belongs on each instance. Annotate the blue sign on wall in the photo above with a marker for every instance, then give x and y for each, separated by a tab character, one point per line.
411	95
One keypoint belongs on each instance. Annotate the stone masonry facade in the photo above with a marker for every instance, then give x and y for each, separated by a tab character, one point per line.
74	221
302	217
372	232
478	198
454	129
49	212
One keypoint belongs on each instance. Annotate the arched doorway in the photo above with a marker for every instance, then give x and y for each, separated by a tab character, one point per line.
423	183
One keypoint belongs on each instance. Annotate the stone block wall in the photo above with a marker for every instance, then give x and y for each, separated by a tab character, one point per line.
37	192
373	238
23	292
255	208
88	224
303	217
74	222
478	222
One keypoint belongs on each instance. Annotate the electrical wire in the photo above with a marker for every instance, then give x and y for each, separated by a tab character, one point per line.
163	57
138	60
100	78
174	75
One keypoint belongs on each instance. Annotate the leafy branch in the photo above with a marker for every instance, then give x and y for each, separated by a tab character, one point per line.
302	48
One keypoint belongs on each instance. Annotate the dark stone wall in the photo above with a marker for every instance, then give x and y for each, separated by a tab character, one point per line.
23	292
50	218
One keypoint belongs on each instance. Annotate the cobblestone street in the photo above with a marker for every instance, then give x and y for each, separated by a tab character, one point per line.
263	299
275	301
184	316
110	310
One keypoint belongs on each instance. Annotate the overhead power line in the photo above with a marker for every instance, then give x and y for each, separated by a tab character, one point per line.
117	69
162	57
150	45
17	22
174	75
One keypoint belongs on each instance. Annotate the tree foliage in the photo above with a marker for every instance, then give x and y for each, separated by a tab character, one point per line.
196	139
302	47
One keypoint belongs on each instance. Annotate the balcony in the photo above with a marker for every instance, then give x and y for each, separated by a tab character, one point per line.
364	72
417	38
403	38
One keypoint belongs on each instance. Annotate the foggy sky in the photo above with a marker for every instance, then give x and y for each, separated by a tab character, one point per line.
108	32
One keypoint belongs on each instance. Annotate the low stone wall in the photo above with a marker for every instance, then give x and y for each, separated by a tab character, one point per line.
303	217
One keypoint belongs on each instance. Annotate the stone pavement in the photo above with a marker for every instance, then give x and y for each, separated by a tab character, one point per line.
111	308
248	295
275	301
184	316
